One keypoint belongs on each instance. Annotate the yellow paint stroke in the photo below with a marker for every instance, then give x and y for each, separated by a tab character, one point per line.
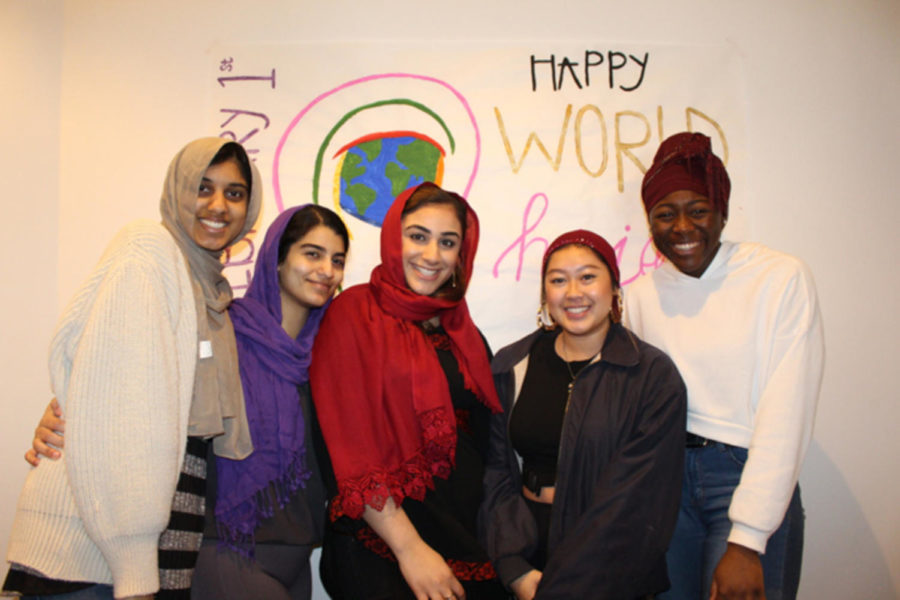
336	193
533	137
578	148
624	149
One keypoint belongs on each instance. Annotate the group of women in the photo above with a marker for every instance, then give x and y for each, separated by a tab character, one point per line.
553	470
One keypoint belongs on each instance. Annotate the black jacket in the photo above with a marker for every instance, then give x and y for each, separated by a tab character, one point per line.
618	480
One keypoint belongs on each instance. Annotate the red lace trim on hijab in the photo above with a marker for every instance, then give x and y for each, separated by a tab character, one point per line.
472	571
462	569
436	459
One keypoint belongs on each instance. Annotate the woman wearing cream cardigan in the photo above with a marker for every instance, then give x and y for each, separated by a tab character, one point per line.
144	364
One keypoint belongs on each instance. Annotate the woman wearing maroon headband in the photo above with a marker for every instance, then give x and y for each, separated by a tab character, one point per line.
742	323
597	418
402	385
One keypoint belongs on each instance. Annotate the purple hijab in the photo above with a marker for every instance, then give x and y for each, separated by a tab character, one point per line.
272	366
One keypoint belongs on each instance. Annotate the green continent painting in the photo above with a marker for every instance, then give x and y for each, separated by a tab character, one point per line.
375	171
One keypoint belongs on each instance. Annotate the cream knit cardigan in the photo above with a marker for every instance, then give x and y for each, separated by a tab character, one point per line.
122	365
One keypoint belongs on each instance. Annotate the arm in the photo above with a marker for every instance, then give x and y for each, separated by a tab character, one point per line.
425	571
509	532
616	545
125	430
48	435
791	375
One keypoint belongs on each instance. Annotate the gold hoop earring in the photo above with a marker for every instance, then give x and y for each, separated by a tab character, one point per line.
617	310
544	320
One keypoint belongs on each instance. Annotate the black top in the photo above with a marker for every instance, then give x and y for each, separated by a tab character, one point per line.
446	517
537	419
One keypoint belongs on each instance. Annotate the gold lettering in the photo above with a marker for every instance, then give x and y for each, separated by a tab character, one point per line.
659	122
624	149
579	151
533	137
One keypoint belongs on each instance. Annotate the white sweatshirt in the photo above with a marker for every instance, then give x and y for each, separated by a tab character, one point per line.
747	338
122	365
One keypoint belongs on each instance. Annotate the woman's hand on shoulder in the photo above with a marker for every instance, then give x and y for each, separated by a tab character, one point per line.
525	586
48	435
428	574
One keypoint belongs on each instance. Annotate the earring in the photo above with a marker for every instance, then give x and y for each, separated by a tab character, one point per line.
544	320
617	310
453	279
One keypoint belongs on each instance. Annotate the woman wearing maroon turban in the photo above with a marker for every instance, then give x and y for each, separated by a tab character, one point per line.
597	418
742	323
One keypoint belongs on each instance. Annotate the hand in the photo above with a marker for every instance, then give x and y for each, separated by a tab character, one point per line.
427	574
425	571
738	576
525	587
48	435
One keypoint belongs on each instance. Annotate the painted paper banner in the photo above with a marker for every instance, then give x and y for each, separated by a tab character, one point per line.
540	138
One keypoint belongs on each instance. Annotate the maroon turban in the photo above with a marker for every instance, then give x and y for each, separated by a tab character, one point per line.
685	161
590	239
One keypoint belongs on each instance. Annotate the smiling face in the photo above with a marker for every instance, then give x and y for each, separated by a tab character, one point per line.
687	229
578	290
312	270
432	237
221	207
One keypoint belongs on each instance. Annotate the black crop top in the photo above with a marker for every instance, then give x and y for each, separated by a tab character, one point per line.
537	418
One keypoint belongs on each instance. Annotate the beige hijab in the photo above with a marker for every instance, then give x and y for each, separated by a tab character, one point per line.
217	409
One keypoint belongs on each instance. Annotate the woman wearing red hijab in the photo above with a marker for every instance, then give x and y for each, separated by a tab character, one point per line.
742	323
402	386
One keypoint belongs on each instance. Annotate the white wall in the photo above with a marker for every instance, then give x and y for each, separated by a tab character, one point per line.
31	40
96	95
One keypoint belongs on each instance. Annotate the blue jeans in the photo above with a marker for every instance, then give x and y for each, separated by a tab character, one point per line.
710	475
95	592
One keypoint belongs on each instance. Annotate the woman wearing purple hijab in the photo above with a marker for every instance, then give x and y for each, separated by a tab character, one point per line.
265	513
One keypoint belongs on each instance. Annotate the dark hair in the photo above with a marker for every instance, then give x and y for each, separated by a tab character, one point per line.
304	220
430	194
234	151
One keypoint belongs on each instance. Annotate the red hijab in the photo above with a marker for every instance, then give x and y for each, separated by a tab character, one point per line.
381	395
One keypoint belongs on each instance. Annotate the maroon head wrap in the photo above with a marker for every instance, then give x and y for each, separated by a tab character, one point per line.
685	161
590	239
